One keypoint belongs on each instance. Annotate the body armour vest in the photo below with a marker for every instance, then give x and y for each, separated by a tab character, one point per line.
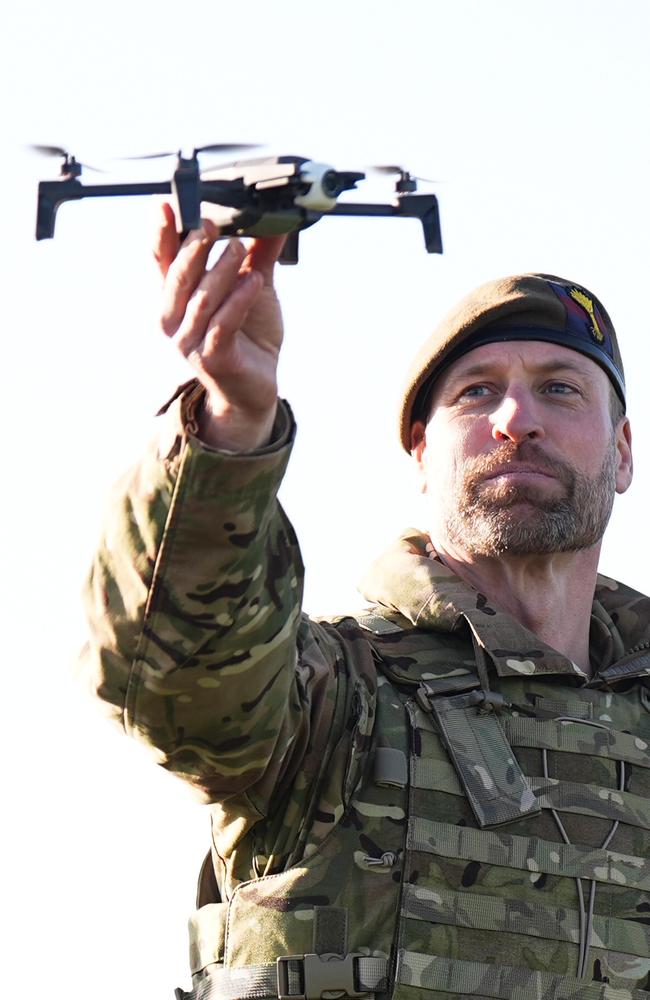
495	842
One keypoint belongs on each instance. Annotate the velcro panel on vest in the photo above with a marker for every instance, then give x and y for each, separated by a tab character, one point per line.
495	785
468	979
330	930
373	622
576	709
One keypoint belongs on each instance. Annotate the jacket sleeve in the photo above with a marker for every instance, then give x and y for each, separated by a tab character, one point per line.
198	647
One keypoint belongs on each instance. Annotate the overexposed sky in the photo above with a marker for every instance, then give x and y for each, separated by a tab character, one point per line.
533	118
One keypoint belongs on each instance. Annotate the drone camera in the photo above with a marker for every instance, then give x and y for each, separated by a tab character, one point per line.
331	184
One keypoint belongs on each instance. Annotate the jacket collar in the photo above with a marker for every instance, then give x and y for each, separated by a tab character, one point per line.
410	580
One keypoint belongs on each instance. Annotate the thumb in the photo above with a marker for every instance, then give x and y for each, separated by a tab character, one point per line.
166	242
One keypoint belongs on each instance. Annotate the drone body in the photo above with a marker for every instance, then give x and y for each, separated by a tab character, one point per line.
267	196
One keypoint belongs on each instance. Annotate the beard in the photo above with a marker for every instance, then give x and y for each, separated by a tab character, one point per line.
486	518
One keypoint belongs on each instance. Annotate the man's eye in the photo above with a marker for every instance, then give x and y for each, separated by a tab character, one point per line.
475	391
560	389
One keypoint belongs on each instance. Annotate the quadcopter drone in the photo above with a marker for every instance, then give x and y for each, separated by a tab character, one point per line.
265	196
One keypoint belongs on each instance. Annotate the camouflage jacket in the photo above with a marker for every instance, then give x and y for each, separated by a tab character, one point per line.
477	808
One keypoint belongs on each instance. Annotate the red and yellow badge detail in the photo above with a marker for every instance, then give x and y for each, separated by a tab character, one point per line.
582	299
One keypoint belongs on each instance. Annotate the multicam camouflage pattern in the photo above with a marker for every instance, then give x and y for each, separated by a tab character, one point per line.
200	651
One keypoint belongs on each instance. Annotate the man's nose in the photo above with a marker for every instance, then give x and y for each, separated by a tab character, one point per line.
516	418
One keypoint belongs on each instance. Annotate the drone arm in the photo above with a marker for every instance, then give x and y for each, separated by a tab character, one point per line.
51	194
415	206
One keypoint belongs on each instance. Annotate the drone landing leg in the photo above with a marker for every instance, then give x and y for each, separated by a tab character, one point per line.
289	253
432	233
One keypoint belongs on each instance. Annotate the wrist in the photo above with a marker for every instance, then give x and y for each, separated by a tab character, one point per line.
229	428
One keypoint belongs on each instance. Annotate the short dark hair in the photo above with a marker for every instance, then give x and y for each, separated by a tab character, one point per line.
616	406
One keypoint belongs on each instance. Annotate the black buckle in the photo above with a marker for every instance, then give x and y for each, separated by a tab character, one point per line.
320	974
488	701
422	696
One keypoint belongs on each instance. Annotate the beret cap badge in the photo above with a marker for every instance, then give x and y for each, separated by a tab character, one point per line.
584	300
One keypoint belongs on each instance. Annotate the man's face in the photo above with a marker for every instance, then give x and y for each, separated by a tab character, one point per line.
519	454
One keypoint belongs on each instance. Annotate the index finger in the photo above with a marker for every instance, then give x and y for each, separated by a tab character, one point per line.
263	255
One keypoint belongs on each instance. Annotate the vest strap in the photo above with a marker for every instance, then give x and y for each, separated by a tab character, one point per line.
529	854
469	979
577	737
294	977
564	796
513	916
478	747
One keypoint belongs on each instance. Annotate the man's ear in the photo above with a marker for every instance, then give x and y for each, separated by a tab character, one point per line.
418	447
624	448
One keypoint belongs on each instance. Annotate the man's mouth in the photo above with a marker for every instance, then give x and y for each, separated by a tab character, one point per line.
518	472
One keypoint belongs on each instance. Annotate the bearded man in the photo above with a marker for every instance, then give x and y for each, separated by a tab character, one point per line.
447	795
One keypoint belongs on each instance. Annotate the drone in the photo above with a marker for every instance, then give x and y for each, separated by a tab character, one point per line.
263	196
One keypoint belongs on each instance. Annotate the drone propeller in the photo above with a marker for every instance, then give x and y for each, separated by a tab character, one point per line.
401	172
49	150
150	156
70	165
227	147
217	147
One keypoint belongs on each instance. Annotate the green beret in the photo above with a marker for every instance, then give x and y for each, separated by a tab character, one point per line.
522	307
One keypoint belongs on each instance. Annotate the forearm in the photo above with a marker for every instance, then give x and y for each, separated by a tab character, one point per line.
194	604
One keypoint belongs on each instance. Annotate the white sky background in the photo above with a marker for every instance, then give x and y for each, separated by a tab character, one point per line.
534	116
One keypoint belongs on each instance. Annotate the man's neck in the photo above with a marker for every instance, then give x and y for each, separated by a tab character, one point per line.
549	595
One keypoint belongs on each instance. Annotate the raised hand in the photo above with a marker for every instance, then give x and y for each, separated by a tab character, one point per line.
226	321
